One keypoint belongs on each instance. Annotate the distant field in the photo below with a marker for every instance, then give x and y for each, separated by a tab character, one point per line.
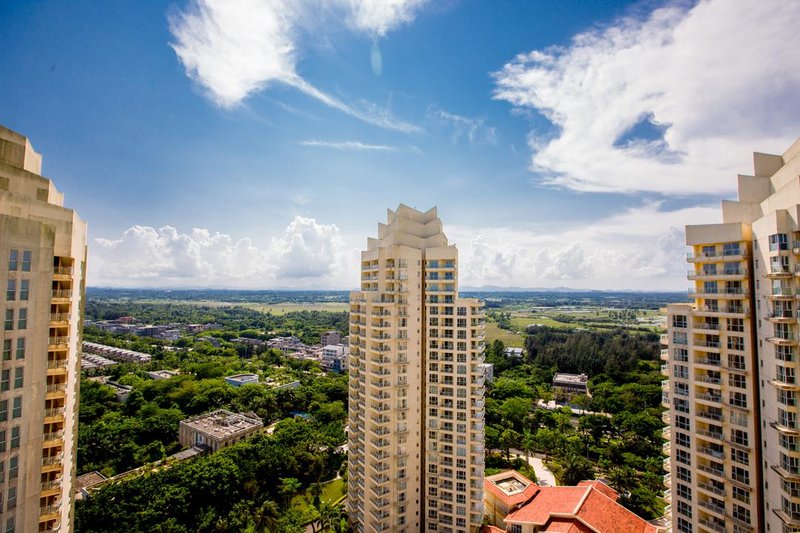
280	308
509	339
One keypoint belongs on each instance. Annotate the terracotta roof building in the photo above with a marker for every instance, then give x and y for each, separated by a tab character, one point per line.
589	507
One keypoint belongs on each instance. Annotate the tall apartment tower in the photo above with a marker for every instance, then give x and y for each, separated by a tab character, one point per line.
42	265
733	362
416	410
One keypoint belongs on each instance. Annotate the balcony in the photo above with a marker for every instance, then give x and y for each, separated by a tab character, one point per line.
53	415
717	257
783	339
712	506
777	272
58	342
49	488
719	472
59	318
727	274
779	293
781	315
49	512
61	294
710	415
712	525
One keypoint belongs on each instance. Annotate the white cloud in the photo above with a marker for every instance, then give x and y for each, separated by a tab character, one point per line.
720	78
640	248
359	146
235	48
304	254
475	130
377	17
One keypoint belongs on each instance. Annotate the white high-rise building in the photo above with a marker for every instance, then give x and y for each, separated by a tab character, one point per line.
733	362
42	267
416	412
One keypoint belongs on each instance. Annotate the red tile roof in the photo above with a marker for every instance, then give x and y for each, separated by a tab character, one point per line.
591	506
492	529
602	487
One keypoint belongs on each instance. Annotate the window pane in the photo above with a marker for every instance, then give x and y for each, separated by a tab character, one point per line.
24	289
21	348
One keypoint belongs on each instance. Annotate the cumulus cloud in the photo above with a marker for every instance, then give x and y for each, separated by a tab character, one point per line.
305	254
235	48
475	130
639	248
359	146
673	102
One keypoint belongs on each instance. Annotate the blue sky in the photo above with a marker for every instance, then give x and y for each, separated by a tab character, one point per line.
257	143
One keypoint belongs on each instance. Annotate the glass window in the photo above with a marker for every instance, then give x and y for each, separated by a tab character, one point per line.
9	324
10	525
21	348
15	438
13	467
5	378
7	350
11	502
18	377
11	290
2	440
24	289
3	410
22	319
13	260
17	409
26	261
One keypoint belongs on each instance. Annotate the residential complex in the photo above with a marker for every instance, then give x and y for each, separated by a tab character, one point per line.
42	263
416	386
732	358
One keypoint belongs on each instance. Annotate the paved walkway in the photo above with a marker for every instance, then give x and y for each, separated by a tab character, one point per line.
544	476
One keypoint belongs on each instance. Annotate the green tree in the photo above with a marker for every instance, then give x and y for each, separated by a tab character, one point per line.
288	488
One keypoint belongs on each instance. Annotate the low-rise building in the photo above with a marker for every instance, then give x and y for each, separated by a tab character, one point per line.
589	507
218	429
568	384
92	363
504	493
290	385
117	354
162	374
334	358
122	391
238	380
330	338
514	353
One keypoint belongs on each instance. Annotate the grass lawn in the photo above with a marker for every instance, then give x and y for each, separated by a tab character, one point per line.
280	308
509	338
331	491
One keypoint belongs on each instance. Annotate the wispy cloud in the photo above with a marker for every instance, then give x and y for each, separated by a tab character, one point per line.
673	102
360	146
235	48
474	129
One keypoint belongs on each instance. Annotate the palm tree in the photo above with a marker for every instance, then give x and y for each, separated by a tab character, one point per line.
329	515
266	517
528	444
622	479
572	469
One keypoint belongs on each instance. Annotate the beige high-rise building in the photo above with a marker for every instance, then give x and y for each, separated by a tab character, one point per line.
42	267
416	417
733	362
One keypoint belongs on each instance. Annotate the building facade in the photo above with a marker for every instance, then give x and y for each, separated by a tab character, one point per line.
732	359
43	265
416	411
